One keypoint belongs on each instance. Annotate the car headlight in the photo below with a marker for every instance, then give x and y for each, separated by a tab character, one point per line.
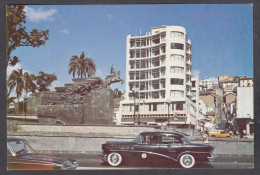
57	165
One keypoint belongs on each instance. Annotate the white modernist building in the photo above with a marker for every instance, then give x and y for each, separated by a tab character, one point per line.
158	78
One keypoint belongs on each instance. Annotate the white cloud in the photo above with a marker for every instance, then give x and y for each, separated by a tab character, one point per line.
109	16
214	80
65	31
36	15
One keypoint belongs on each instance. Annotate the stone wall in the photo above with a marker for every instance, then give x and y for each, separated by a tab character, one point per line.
97	108
72	114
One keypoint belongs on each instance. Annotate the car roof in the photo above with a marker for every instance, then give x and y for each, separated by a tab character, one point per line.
9	138
163	133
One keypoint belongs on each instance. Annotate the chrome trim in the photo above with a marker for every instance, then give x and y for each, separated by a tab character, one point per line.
147	153
102	156
212	157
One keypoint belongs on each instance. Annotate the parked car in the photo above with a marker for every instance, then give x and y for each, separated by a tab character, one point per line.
157	146
219	133
21	156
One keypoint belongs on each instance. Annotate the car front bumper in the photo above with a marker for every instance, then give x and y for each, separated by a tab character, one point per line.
212	157
102	156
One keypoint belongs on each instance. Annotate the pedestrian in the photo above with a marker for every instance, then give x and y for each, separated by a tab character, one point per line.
231	133
204	137
207	132
244	133
236	133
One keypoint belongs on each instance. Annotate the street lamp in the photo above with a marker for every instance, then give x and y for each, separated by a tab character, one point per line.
168	102
25	104
134	90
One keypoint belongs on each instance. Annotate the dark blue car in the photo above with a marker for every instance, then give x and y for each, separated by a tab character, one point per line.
157	146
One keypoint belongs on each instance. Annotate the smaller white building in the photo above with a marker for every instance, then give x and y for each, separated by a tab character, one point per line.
245	109
207	83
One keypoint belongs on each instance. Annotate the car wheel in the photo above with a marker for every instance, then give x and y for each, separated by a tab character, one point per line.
114	159
187	161
213	136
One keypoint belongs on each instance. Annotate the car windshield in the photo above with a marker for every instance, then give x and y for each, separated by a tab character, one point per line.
138	139
20	147
185	140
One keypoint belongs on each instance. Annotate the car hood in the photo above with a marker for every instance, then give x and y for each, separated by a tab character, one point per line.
41	158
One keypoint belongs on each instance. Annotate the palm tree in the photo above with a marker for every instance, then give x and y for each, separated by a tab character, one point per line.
20	81
82	66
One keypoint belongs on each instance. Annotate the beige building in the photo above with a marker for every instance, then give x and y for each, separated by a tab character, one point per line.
208	99
230	98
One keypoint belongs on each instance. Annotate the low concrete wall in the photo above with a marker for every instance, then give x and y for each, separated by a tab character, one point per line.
81	129
93	144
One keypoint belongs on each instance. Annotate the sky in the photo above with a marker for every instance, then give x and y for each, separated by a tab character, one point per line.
221	36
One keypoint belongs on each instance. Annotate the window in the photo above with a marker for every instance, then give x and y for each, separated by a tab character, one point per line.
177	34
175	69
179	105
177	46
175	57
177	93
176	81
154	107
170	140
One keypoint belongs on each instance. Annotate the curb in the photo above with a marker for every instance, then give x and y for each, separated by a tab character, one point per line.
96	153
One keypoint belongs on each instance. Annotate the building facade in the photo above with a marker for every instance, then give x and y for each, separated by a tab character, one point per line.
207	83
246	82
245	109
158	78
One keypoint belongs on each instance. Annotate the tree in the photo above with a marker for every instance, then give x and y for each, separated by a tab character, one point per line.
16	34
83	66
20	81
9	99
43	81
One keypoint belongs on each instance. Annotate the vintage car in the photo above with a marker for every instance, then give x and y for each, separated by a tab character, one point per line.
219	133
21	156
157	146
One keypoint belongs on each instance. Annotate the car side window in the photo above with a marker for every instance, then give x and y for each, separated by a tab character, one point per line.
166	139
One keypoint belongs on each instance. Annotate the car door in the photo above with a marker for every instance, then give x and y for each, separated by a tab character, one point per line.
170	147
146	149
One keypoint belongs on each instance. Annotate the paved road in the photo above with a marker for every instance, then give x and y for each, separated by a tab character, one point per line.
91	161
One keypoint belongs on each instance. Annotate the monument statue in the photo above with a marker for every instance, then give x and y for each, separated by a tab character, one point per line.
73	93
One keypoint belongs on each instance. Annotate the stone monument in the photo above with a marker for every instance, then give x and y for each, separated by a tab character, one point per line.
85	101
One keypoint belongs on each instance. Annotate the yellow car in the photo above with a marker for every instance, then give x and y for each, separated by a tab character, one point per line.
219	133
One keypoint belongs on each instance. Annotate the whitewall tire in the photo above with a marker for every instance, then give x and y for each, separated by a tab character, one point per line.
187	161
114	159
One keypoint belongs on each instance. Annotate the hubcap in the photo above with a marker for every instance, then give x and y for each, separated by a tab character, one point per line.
187	160
114	158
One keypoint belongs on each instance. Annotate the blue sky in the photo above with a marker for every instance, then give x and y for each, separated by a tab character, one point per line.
221	36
